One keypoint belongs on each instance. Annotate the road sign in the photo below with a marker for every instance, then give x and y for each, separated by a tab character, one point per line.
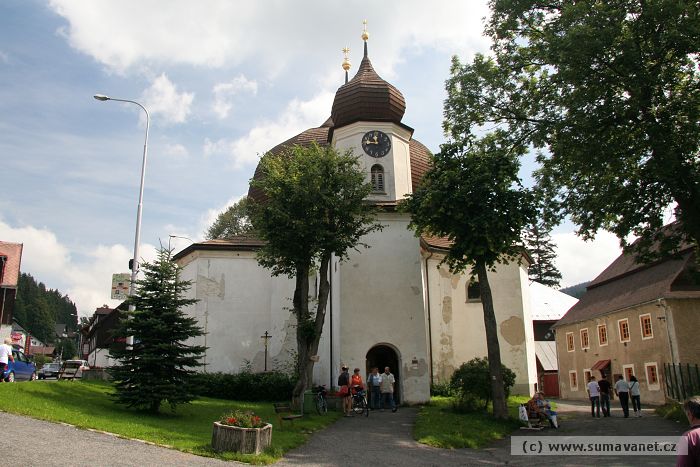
120	286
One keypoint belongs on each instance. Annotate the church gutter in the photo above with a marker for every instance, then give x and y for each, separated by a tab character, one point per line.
430	331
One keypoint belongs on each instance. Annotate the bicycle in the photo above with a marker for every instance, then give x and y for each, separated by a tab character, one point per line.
320	400
359	402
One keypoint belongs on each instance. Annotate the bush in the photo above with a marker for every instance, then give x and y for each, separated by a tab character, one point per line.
245	386
472	380
443	389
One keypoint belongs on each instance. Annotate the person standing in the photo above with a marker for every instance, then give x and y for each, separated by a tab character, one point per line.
5	357
387	389
594	395
605	389
373	381
344	390
635	396
692	436
622	390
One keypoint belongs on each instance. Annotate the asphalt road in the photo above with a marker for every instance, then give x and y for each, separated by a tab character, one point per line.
382	439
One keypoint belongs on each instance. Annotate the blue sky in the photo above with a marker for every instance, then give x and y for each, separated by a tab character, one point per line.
224	81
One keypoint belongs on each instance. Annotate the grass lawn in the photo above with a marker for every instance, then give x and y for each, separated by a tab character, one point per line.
439	426
673	411
88	405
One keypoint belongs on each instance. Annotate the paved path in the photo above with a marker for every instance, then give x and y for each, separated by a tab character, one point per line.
387	436
356	441
26	441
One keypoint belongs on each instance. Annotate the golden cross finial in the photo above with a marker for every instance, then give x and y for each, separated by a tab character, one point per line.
365	34
346	59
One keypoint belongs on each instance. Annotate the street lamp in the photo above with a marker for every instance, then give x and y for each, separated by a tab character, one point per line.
137	239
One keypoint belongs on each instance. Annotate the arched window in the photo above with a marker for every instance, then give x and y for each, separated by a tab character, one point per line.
377	173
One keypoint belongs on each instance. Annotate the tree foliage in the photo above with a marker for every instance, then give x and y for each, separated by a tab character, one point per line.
473	379
159	367
313	209
232	222
610	93
472	196
38	309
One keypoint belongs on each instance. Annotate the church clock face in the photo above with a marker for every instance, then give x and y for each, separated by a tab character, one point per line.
376	143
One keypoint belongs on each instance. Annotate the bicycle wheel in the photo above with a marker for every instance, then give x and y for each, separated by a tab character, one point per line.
364	402
321	405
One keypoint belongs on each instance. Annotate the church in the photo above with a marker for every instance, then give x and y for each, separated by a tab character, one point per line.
390	304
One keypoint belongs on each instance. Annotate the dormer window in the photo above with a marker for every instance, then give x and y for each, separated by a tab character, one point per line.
377	177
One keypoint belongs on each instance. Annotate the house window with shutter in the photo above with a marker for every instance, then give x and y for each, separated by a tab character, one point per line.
377	173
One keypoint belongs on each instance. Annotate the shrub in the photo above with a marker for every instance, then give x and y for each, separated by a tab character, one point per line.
443	389
472	380
245	386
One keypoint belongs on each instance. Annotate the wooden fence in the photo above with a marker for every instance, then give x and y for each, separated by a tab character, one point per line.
682	380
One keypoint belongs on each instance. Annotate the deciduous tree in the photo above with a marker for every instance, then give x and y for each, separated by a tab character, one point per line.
472	196
232	222
610	91
313	208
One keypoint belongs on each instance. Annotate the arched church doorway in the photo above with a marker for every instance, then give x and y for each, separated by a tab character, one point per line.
382	356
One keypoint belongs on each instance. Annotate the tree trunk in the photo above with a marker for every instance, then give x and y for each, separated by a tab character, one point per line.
308	336
500	409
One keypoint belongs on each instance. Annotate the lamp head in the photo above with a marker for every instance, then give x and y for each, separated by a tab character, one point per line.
101	97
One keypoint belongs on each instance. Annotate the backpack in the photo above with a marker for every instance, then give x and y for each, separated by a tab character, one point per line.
343	379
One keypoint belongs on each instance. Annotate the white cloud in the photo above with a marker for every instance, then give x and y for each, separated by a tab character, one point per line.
129	33
225	92
297	116
175	150
86	282
162	98
581	261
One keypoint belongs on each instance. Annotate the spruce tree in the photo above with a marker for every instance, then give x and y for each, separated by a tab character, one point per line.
541	248
159	367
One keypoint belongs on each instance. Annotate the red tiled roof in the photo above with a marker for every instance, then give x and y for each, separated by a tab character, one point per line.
626	283
13	252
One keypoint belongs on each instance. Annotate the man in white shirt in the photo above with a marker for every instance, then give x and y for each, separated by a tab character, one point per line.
622	390
5	357
386	386
594	395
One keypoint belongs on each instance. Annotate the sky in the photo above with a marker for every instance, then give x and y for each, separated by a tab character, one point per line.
224	81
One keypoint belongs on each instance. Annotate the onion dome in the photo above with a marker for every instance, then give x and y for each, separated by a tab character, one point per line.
367	97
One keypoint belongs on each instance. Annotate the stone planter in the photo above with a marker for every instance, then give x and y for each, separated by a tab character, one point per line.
243	440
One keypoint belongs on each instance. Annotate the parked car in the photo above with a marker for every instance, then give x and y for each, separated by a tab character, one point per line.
21	368
49	370
73	369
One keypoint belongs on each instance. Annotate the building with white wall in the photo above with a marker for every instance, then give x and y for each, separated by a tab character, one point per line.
391	304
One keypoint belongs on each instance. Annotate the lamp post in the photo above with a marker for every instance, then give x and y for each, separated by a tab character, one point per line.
137	238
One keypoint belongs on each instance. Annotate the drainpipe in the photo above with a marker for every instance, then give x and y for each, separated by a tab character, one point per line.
430	332
330	325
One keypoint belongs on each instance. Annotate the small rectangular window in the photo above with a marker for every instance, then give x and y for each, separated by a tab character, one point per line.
645	324
587	375
652	371
473	291
573	380
584	339
570	341
602	334
624	330
628	371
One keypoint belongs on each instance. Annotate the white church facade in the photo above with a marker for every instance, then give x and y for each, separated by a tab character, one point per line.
390	304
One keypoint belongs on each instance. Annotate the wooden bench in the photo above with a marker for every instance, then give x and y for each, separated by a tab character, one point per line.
284	412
